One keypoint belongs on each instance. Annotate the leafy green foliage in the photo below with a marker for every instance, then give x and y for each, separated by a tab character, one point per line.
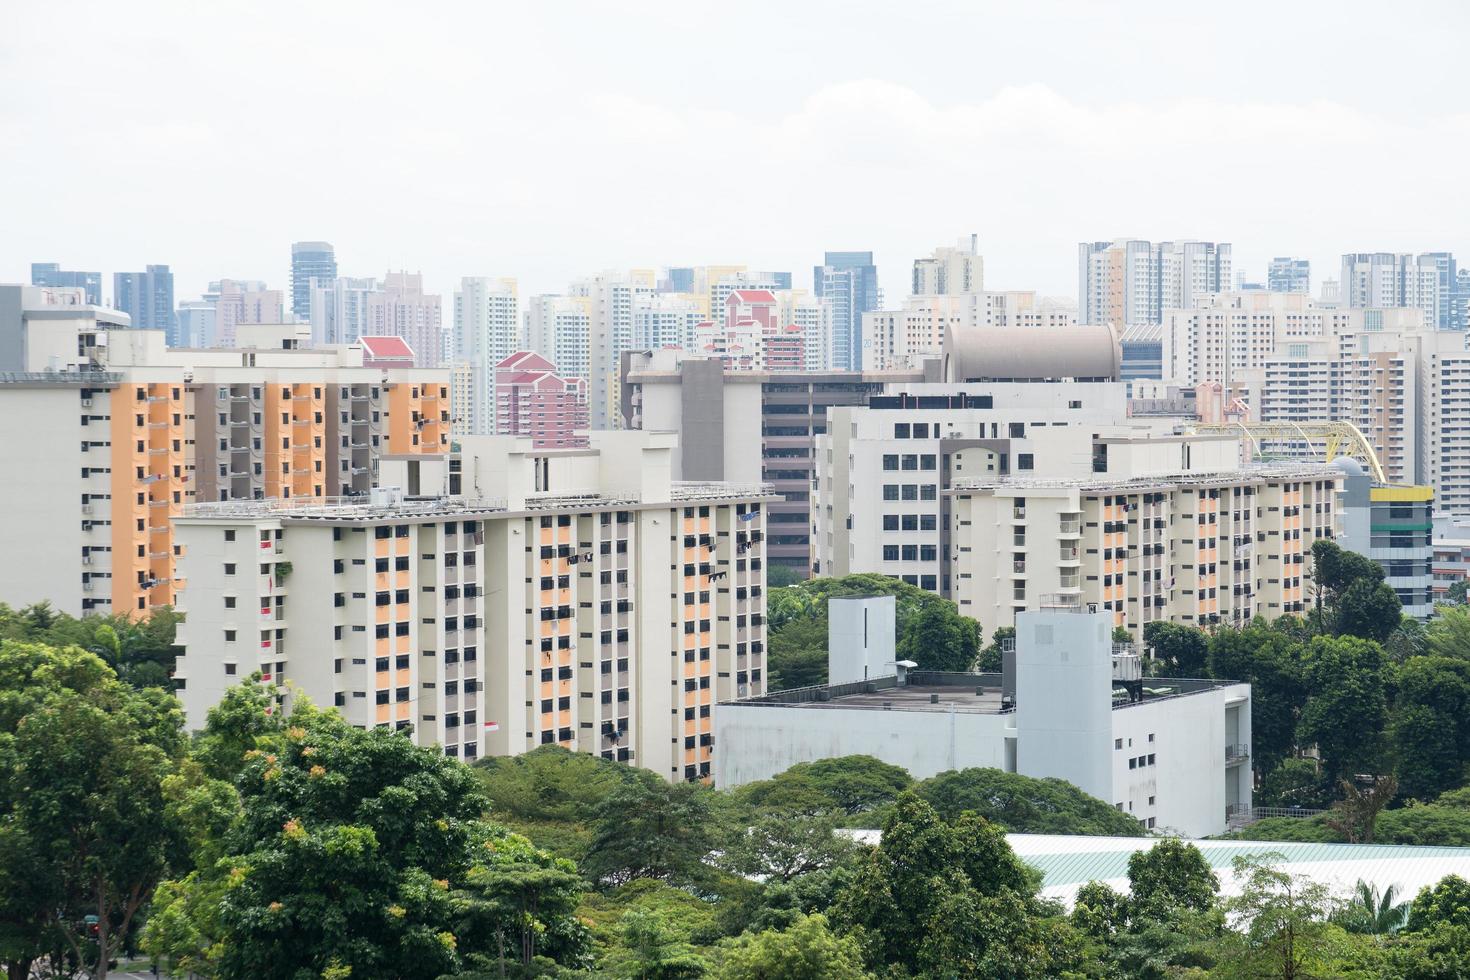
1171	875
807	950
1286	930
930	630
648	828
83	824
140	651
1022	804
1174	650
1447	902
850	785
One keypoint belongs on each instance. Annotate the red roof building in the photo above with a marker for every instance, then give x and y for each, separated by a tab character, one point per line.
386	352
532	400
753	338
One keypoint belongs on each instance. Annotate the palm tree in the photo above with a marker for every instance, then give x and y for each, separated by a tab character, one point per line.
1370	913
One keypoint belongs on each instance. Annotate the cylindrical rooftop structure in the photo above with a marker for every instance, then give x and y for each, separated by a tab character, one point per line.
1079	353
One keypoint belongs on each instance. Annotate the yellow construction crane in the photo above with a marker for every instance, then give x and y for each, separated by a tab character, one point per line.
1339	438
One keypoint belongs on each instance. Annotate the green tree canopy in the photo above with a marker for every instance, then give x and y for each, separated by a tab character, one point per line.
1023	804
1171	875
806	950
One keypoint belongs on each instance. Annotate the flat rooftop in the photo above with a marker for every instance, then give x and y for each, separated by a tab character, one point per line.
945	692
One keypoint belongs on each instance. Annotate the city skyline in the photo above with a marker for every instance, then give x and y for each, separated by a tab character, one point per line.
504	197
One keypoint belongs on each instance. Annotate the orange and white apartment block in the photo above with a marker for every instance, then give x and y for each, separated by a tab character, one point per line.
512	597
108	435
1197	540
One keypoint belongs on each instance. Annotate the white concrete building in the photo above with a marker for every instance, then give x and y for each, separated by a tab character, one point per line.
861	632
1174	754
519	598
487	329
880	472
559	328
897	339
950	270
339	309
611	298
1131	281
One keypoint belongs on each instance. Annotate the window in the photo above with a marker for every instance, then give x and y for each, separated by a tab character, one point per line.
900	430
229	568
230	669
1025	461
890	522
890	462
927	522
890	552
229	602
229	636
890	492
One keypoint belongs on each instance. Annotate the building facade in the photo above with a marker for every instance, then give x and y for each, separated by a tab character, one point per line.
534	402
1174	756
487	330
403	309
114	434
1394	526
539	614
848	283
148	299
1289	275
53	275
1130	281
1167	530
309	260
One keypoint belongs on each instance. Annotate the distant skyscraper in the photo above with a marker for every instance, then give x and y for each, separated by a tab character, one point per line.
147	297
848	282
1288	275
1131	281
196	320
309	260
950	271
339	309
52	274
1388	279
487	330
404	310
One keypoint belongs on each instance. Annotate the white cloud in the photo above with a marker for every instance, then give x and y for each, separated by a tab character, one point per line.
521	141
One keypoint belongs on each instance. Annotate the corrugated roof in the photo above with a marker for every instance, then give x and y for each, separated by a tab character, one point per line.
1070	862
1067	863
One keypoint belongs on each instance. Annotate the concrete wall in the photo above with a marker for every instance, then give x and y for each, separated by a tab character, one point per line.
860	637
1064	673
1189	780
756	742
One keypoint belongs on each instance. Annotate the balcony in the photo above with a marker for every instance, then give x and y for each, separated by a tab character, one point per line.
1235	754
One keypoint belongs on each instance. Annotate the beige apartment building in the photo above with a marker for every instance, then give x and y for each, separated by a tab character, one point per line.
1406	387
1174	531
108	435
502	599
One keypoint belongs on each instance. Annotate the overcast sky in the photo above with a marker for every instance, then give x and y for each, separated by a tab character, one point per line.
550	140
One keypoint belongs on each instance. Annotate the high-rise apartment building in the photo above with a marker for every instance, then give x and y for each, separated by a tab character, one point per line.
1230	335
310	260
747	426
404	310
113	433
148	299
487	329
1131	281
533	401
848	283
895	339
1185	536
950	270
238	302
1403	384
53	275
667	320
559	328
881	471
752	336
611	298
526	604
1388	279
195	320
339	309
1289	275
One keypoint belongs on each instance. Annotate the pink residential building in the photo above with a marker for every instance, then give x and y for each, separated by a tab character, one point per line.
403	309
531	399
752	338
